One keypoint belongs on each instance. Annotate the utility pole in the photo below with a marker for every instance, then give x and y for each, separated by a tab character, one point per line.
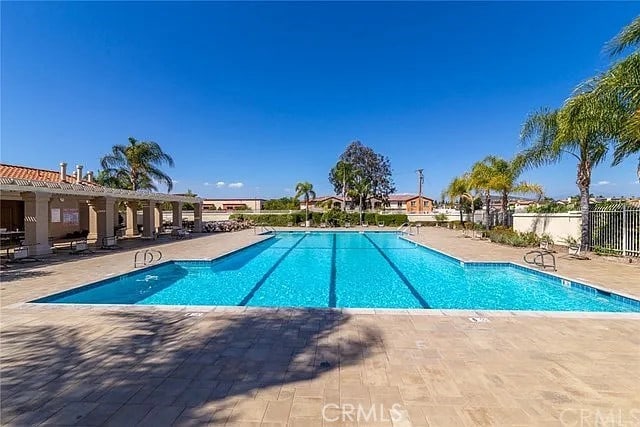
420	182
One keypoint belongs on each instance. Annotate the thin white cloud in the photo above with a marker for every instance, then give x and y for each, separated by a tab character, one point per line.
206	184
220	184
175	181
603	183
288	190
236	185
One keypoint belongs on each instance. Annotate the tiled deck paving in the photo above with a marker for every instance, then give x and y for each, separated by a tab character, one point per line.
63	366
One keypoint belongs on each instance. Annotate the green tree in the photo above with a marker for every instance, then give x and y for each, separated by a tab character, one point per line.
619	87
305	190
480	181
503	178
573	130
282	204
342	176
360	191
137	165
460	188
370	176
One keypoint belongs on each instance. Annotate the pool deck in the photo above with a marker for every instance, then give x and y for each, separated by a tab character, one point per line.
177	366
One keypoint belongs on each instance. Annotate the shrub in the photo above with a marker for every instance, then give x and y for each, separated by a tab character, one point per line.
441	218
392	219
506	236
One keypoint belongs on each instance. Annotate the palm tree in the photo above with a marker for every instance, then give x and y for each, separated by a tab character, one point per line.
573	130
343	172
460	188
503	178
360	189
480	180
621	83
305	189
138	164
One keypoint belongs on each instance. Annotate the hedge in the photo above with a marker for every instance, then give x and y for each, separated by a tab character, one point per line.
333	217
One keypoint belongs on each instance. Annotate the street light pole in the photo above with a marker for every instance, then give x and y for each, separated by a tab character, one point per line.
420	182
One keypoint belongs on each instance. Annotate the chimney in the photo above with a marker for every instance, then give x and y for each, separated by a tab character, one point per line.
63	171
90	176
78	174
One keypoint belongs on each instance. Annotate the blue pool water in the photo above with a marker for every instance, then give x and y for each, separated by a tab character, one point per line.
344	269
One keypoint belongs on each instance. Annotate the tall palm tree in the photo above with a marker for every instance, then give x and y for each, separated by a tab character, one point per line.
360	189
480	180
460	188
139	164
573	130
305	189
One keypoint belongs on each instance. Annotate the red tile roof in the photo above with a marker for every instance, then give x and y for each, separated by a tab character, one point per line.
392	198
23	172
405	197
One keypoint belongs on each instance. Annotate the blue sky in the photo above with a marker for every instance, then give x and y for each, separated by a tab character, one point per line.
263	95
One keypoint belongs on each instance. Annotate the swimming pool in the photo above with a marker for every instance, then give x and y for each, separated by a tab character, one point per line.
349	270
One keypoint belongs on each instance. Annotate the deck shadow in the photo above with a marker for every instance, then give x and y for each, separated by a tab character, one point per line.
199	366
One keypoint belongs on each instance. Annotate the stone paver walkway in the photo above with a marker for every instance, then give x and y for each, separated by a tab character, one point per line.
72	366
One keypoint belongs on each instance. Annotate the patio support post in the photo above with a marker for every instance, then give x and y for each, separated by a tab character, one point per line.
101	219
83	215
36	223
177	214
159	220
148	218
132	218
197	217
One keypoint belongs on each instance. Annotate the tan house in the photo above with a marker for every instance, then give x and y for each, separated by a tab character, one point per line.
39	205
255	205
410	203
407	203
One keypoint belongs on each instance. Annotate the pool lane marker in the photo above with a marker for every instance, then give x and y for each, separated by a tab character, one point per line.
269	272
332	280
404	279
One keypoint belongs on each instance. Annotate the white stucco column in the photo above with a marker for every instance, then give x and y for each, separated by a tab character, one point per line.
177	214
36	223
197	217
132	218
148	218
158	216
101	219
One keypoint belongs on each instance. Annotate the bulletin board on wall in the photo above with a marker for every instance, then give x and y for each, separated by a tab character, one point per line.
71	216
55	214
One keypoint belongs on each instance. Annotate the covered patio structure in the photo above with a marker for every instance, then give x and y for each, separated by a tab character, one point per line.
45	205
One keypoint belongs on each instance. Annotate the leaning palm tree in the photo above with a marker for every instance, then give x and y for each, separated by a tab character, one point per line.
139	163
618	94
305	189
573	130
460	188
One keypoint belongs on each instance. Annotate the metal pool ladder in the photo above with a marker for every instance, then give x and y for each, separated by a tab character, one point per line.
263	229
146	257
405	228
538	259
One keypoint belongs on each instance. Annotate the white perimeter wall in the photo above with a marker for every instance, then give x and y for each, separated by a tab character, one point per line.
188	215
558	226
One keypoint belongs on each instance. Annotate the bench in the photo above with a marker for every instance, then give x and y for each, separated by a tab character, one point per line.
179	234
